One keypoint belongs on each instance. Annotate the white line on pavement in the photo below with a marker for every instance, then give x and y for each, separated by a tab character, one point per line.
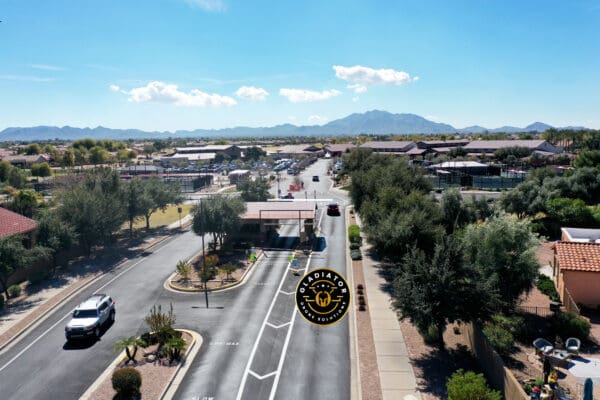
19	354
258	337
285	346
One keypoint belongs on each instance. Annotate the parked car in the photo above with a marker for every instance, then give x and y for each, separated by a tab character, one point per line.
315	178
90	316
333	209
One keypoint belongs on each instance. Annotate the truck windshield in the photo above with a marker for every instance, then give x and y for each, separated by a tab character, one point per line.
85	313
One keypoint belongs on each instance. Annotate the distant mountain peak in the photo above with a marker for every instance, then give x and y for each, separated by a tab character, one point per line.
369	122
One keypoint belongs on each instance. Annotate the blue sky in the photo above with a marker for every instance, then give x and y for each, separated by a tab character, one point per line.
186	64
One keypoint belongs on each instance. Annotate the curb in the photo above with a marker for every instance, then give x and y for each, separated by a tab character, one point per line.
355	382
169	286
169	391
47	314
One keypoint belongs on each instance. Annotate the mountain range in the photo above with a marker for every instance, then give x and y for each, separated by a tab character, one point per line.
370	122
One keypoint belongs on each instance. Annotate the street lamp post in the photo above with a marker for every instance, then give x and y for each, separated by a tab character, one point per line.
203	257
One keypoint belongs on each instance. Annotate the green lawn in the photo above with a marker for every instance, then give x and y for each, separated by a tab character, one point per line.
160	218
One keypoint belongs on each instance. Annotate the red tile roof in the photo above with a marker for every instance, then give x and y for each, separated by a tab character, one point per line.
578	256
12	223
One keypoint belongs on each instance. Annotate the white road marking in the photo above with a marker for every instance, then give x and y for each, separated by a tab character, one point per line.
258	337
19	354
261	377
285	346
286	293
278	326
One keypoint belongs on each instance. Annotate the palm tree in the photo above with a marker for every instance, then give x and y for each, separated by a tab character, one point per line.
130	345
173	348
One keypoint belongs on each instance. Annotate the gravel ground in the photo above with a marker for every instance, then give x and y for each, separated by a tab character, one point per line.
155	378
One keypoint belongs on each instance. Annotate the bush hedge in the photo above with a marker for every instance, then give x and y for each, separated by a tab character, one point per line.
126	381
1	302
37	277
354	246
501	339
469	386
354	233
546	286
14	291
355	254
568	325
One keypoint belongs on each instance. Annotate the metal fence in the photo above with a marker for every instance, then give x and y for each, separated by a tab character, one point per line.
539	311
443	181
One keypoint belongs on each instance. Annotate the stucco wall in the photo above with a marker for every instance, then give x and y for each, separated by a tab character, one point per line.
583	286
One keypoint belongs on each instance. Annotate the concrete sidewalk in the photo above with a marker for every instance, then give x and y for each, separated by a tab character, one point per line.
396	374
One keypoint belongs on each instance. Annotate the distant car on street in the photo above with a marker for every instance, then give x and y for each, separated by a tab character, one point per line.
333	209
315	178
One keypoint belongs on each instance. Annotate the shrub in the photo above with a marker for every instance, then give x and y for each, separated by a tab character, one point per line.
149	338
355	255
1	302
430	335
362	307
360	286
37	277
568	325
354	246
14	290
469	386
546	286
361	300
354	233
126	381
501	338
161	323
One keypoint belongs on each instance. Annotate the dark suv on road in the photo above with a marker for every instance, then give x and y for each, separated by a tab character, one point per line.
90	316
333	209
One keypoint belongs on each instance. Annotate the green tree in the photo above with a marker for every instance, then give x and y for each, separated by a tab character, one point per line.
68	158
25	202
41	169
16	178
456	212
470	386
136	201
570	212
587	158
257	190
432	291
149	150
254	153
81	155
130	345
98	155
14	257
86	144
54	233
219	216
502	250
157	196
5	168
94	207
33	149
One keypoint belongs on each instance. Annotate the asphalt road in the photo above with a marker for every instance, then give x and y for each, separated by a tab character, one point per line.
42	366
255	344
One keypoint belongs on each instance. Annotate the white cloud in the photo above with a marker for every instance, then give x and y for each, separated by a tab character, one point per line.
208	5
252	93
317	119
25	78
361	77
46	67
358	88
168	93
306	96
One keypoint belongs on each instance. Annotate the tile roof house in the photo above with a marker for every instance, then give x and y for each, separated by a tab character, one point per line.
12	223
577	272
